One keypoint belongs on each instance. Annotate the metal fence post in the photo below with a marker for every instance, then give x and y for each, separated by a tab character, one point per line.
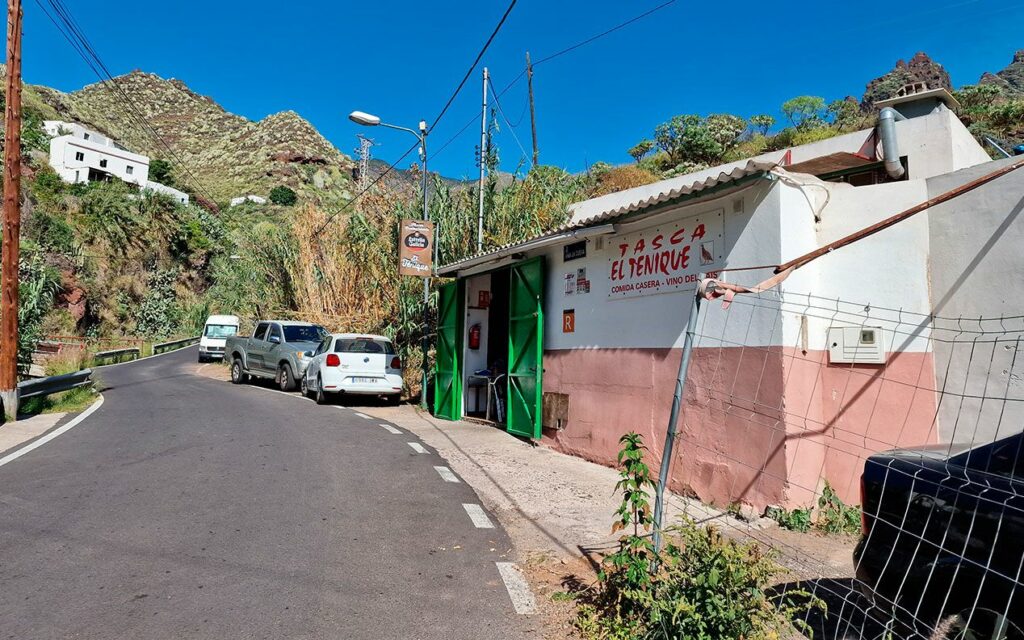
673	420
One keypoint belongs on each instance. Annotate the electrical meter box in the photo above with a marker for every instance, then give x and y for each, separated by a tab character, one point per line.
856	345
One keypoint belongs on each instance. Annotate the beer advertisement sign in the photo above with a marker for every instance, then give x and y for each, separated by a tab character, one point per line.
416	248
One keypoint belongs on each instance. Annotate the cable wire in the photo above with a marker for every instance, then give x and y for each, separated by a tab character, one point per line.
69	28
552	57
476	61
512	129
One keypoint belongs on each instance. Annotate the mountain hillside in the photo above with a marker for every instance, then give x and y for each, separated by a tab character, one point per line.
1010	79
226	154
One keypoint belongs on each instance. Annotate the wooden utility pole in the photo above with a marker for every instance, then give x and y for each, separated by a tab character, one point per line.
12	217
484	151
533	113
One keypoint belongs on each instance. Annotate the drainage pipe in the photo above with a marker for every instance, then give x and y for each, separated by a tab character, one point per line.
887	119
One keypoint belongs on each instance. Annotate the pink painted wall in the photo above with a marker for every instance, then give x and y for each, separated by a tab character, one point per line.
760	425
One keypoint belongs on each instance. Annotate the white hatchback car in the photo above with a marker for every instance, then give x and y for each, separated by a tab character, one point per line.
354	363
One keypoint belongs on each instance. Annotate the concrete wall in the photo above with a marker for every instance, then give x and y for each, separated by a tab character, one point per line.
179	196
977	271
767	416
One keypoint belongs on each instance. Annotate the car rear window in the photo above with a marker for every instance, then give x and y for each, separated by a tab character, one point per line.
299	333
364	345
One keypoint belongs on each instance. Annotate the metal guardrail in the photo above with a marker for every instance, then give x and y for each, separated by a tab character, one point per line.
171	345
54	384
111	354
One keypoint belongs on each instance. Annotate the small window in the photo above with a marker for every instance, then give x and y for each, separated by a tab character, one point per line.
275	332
261	331
129	169
85	136
324	346
103	163
79	156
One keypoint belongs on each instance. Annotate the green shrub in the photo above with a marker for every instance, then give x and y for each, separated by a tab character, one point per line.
703	586
160	171
795	520
159	313
835	516
283	195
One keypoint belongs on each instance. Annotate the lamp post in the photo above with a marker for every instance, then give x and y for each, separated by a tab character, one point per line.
368	120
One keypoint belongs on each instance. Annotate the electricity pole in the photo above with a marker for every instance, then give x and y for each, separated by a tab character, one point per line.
533	113
12	217
483	168
364	161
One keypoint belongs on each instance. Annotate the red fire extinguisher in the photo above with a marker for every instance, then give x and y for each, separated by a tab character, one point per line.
474	336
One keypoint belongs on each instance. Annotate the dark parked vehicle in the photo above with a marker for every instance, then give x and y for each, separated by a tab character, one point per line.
943	535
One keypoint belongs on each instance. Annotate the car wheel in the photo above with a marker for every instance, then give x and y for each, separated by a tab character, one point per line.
321	395
237	374
304	387
285	379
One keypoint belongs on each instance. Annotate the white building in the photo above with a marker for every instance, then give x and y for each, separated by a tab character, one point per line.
80	155
178	195
249	198
585	325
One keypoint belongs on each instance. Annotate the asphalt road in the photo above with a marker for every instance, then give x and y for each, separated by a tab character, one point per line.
186	507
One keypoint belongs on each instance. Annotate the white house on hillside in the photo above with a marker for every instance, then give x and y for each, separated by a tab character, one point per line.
80	155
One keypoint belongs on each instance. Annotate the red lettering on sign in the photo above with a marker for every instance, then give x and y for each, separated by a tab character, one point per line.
622	249
639	246
698	232
656	243
677	237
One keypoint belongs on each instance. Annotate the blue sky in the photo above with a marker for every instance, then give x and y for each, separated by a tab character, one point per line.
401	60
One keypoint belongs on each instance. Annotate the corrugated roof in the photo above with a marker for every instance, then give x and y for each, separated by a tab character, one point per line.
737	173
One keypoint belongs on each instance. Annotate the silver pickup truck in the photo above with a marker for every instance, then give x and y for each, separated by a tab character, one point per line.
277	349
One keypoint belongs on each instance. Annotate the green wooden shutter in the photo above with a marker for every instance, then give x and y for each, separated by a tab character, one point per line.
526	347
448	365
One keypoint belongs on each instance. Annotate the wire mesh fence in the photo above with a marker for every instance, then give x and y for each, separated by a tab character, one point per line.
885	443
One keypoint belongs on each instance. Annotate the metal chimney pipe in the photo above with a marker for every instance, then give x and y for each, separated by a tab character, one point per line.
887	118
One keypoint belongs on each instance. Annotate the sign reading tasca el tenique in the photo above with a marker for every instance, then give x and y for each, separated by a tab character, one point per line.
666	258
416	248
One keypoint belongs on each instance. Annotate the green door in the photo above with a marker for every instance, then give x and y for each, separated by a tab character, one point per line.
525	347
448	366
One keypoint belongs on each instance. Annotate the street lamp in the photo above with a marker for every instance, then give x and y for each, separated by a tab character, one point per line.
368	120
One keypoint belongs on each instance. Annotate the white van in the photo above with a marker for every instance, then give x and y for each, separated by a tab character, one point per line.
215	334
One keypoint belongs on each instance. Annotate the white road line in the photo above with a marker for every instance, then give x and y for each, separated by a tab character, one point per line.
53	434
477	515
283	393
363	416
518	588
417	447
391	429
447	474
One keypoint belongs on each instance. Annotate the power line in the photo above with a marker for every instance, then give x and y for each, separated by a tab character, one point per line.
556	55
505	118
469	71
363	192
440	115
73	33
604	33
68	18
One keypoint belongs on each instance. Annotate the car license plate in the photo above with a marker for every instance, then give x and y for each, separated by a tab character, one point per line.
359	380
